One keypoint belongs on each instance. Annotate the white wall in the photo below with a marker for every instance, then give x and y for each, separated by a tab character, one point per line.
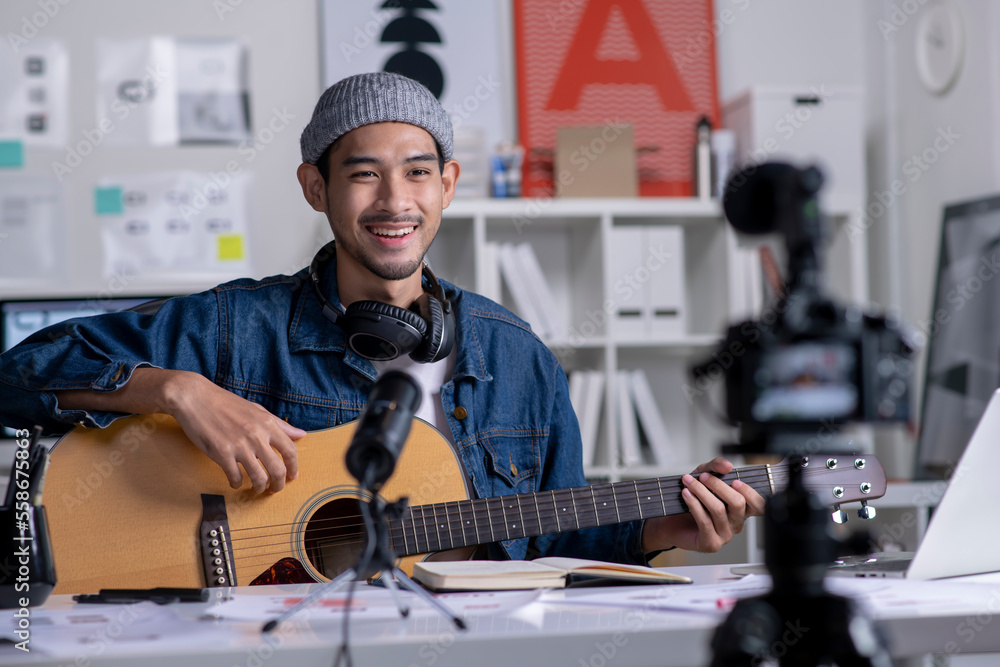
283	43
788	42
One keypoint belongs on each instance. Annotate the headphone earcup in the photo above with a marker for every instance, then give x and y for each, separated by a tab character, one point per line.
440	335
381	331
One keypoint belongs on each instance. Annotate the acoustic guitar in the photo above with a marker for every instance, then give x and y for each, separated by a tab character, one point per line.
138	505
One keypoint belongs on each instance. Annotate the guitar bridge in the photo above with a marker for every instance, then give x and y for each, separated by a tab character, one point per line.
216	543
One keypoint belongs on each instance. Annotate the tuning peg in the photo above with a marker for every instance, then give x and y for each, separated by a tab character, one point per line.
839	515
866	512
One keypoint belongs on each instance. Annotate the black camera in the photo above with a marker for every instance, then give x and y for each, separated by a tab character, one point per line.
807	362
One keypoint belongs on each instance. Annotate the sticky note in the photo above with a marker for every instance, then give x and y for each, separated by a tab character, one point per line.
230	247
11	153
108	201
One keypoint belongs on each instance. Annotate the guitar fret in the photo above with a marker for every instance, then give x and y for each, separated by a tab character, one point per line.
427	534
650	501
437	530
614	496
576	515
555	511
638	502
447	520
547	512
625	502
597	517
587	512
475	523
604	493
489	519
413	522
659	492
565	521
520	514
402	534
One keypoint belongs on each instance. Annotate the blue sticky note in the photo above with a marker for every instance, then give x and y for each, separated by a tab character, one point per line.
108	201
11	153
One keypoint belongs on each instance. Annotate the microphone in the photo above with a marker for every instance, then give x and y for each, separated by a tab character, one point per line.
383	428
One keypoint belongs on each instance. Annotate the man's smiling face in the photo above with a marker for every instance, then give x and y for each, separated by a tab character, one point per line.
385	195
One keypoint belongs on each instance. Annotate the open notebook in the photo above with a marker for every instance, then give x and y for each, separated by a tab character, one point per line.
962	537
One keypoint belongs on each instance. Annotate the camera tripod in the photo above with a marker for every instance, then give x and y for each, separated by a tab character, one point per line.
798	623
378	557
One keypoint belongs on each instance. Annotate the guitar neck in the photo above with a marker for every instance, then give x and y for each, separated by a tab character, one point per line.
451	525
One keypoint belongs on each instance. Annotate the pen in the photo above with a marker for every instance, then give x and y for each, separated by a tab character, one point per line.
157	595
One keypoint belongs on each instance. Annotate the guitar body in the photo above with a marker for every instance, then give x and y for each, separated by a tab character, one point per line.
125	505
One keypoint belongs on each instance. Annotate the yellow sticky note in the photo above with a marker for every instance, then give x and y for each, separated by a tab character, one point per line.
230	247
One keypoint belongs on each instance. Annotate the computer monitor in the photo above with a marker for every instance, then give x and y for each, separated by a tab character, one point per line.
22	317
963	335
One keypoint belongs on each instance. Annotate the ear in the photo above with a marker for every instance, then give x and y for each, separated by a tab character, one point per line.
313	186
449	179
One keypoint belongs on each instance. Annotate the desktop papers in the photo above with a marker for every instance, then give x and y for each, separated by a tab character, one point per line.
368	603
880	598
89	631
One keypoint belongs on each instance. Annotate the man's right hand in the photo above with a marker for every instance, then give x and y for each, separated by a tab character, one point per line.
231	430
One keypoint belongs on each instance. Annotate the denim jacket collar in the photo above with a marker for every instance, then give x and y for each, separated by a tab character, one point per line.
311	331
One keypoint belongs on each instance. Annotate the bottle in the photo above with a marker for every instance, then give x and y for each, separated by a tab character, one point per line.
703	160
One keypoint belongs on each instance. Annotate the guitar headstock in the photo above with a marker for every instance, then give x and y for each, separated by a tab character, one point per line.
844	479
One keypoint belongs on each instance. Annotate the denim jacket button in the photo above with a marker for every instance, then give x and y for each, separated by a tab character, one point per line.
461	413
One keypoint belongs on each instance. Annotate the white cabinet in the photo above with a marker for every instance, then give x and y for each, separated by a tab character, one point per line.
670	264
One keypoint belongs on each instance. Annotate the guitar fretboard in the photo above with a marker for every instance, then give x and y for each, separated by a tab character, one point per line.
464	523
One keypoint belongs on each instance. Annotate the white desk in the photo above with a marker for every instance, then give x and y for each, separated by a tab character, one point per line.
541	633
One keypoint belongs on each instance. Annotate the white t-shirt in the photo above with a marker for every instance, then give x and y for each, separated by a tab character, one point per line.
430	377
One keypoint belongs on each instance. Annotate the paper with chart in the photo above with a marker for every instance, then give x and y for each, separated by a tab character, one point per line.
32	229
34	85
182	225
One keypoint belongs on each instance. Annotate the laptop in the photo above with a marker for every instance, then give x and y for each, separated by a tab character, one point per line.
962	537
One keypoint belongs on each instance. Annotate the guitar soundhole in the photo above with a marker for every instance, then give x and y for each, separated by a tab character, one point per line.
335	537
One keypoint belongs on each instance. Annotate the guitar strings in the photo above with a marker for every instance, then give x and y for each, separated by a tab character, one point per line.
600	493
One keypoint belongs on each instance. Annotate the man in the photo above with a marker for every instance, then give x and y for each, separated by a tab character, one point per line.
249	366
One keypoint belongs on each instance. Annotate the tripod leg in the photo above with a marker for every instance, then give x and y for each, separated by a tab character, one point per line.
328	587
413	586
390	584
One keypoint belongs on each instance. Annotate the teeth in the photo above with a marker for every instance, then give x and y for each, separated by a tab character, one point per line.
392	232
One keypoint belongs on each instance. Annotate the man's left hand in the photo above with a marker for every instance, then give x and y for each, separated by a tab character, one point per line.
717	512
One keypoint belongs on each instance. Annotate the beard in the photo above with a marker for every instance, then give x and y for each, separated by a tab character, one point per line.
386	270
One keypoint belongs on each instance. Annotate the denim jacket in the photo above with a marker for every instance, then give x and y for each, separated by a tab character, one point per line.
269	342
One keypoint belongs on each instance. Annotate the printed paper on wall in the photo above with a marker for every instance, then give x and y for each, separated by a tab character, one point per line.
178	224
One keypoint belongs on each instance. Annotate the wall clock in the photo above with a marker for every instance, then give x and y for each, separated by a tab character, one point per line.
940	47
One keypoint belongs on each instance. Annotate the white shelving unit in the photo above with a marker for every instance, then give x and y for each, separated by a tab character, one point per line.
571	238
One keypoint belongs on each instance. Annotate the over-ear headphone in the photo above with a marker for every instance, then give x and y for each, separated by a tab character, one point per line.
381	331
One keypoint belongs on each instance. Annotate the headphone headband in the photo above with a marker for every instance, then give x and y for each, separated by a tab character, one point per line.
380	331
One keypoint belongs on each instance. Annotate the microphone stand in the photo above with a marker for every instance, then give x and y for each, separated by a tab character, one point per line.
377	557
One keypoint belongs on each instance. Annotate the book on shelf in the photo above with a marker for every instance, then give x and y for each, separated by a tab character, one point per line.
628	427
586	388
650	420
544	300
520	288
490	286
550	572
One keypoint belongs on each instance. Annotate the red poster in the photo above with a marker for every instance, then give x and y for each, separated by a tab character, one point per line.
648	63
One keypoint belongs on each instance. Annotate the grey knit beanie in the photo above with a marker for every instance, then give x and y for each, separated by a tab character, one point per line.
376	97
